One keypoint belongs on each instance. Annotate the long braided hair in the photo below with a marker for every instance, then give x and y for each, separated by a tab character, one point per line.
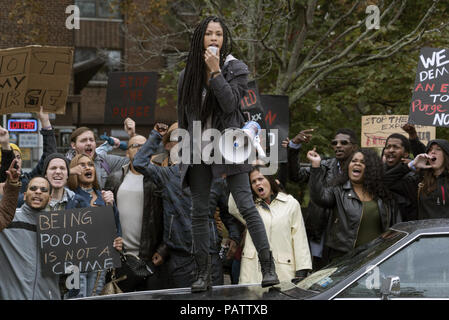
190	99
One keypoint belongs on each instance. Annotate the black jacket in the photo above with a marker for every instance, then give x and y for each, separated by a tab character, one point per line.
228	89
345	220
404	188
152	216
436	204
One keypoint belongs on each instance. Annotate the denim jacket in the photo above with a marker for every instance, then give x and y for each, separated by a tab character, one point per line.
100	203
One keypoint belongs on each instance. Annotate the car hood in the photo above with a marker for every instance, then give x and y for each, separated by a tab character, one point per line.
283	291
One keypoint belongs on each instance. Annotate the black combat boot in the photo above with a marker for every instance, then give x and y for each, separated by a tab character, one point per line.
270	278
202	282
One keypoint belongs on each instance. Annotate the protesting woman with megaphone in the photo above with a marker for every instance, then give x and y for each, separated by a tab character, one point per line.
209	90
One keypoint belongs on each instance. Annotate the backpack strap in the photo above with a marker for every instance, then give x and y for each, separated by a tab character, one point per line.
105	165
22	225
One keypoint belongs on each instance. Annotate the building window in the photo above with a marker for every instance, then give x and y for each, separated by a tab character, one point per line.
106	9
112	58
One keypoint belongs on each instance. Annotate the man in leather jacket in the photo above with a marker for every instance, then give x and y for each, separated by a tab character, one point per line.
140	207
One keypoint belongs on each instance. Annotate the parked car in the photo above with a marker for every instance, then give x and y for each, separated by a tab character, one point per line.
409	261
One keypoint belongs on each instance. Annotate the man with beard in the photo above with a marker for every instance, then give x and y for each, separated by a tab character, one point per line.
140	208
22	277
82	141
343	144
397	151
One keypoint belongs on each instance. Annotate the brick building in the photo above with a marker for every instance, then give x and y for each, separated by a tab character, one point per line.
43	22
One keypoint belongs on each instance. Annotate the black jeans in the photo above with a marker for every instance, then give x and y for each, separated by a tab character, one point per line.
200	179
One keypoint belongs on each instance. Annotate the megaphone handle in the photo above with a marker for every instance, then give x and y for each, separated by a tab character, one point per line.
259	150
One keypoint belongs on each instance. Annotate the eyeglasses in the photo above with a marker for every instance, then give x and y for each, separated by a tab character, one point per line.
342	142
134	145
34	188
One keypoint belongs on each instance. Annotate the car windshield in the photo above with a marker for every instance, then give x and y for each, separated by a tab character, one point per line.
342	267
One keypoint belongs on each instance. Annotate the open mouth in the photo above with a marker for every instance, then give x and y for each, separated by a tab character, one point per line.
88	150
36	200
260	190
88	175
390	158
356	172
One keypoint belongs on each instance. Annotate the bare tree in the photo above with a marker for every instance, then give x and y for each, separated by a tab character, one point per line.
296	44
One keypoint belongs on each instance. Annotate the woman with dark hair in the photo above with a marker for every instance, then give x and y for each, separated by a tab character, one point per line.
209	91
363	207
86	186
281	214
433	178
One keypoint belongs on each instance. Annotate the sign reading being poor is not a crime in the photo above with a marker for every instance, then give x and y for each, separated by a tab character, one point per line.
430	100
82	237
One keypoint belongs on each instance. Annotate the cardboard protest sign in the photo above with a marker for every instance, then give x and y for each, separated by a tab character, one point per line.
33	76
430	100
81	237
277	117
131	94
376	129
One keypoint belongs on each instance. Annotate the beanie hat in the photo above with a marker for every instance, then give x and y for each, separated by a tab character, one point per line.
55	156
444	144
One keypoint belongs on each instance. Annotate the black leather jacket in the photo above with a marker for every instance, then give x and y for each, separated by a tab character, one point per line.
344	222
152	219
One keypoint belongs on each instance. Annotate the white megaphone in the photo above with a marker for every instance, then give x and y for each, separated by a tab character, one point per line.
234	145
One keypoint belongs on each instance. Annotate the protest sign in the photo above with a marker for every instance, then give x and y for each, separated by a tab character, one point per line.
251	105
277	117
35	76
376	129
81	237
131	94
430	100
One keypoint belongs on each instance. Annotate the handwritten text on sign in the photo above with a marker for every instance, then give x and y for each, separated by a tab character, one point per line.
131	94
430	100
377	128
34	76
80	237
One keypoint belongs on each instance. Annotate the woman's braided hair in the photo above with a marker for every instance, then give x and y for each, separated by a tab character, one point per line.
190	98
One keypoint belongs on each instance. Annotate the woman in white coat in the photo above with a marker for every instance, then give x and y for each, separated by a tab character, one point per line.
281	214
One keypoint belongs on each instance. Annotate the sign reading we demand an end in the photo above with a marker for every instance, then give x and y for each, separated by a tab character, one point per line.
430	100
82	237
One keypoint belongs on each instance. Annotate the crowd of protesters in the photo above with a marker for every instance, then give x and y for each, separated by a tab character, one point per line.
189	224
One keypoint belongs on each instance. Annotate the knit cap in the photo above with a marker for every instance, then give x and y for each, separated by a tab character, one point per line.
55	156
